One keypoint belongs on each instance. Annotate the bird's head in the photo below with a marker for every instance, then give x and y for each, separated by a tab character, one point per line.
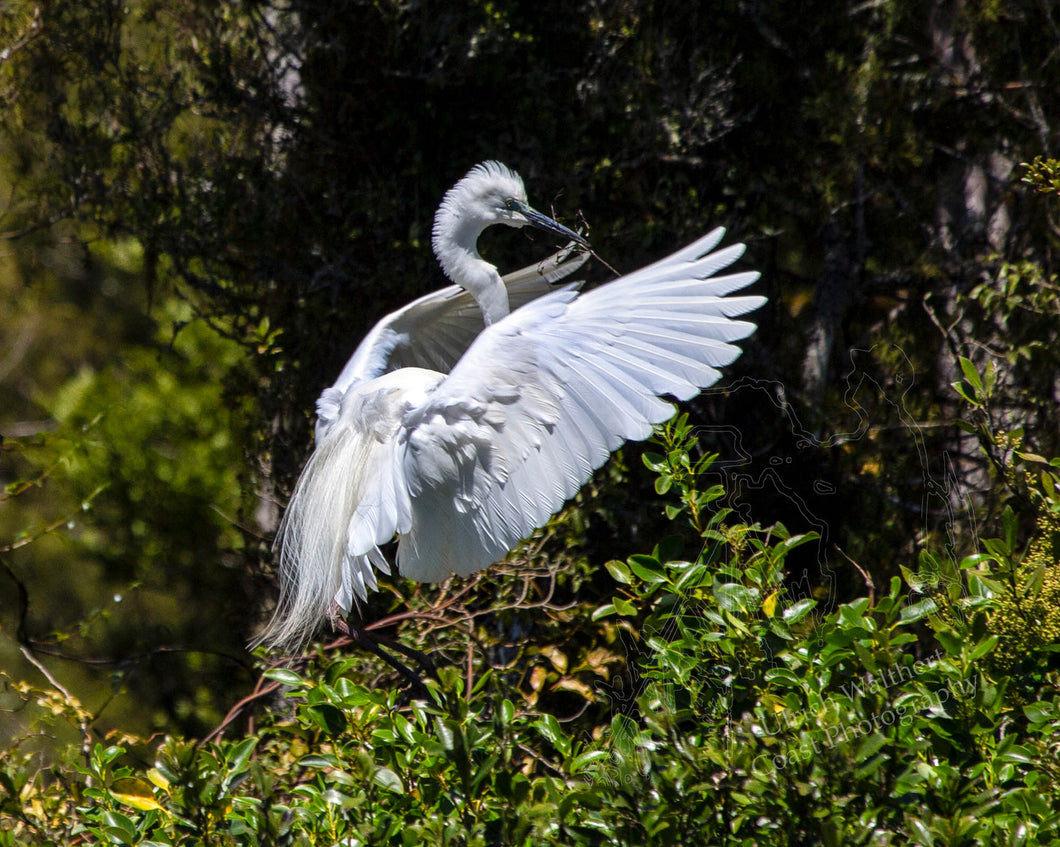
491	193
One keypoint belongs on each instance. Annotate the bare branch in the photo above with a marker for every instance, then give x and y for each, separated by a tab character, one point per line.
28	36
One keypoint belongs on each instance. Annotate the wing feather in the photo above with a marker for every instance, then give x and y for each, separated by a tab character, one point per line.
541	399
435	330
461	467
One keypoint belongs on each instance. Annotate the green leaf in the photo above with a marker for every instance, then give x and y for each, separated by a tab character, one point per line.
135	792
654	462
386	778
579	763
1041	712
785	676
1018	754
732	596
240	754
327	717
1010	525
284	676
334	797
919	610
316	760
669	549
549	728
107	755
983	647
950	641
604	611
798	610
922	833
999	551
789	544
971	375
120	826
619	571
647	568
869	746
1031	457
445	734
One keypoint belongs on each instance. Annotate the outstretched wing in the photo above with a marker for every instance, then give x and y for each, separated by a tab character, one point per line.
542	398
436	330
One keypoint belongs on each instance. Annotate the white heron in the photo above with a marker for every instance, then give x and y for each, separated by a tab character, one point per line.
461	431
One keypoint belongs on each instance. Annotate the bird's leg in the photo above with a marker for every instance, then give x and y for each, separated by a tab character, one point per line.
359	635
424	661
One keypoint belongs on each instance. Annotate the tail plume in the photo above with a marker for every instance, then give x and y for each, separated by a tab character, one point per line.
311	541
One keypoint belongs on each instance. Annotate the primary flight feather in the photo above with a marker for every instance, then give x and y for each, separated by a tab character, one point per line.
465	420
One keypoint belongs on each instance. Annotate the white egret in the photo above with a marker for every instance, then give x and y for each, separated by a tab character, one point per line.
489	194
461	433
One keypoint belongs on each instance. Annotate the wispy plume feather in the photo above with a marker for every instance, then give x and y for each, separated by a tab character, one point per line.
311	540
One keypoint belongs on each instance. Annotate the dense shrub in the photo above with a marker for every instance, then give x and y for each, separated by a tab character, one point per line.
750	715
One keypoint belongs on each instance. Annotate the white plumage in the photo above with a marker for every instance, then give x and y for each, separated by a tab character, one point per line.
461	437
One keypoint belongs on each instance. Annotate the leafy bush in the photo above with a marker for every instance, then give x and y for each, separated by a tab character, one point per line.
751	715
275	166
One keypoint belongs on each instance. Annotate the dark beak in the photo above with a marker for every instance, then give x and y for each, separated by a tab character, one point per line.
535	218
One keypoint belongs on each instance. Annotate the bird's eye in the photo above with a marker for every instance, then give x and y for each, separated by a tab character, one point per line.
509	204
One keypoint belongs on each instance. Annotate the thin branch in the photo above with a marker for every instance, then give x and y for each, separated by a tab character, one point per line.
264	688
33	32
29	539
84	718
135	658
868	579
23	601
12	235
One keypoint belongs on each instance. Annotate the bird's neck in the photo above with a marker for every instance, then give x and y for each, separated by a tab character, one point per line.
461	262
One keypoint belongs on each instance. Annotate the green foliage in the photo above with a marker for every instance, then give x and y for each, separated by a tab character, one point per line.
760	717
274	167
1043	174
175	489
133	495
1026	618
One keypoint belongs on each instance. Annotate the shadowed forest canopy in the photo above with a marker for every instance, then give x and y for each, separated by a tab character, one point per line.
203	208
